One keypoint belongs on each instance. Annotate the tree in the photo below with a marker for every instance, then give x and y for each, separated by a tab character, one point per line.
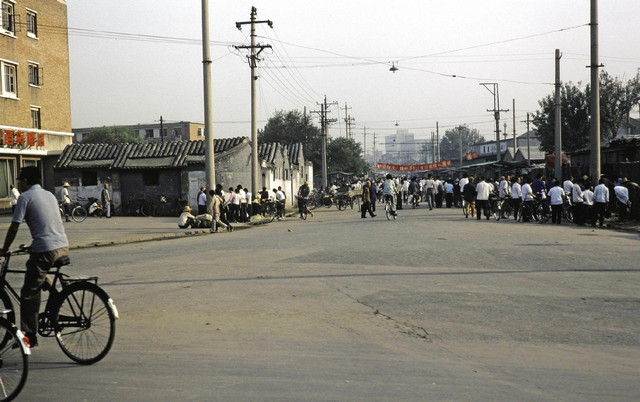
616	101
343	155
450	143
294	127
112	135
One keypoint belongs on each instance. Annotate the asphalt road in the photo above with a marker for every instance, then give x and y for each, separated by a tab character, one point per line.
337	308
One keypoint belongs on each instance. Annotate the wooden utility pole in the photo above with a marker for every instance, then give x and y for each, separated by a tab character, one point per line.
253	63
438	139
594	102
324	124
558	121
348	120
515	140
528	121
209	158
496	113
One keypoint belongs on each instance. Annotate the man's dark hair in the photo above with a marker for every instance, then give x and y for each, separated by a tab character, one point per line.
211	193
31	174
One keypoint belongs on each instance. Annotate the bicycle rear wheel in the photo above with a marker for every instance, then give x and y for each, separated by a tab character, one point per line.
506	210
160	209
85	323
270	212
495	211
79	214
544	213
148	209
387	211
14	362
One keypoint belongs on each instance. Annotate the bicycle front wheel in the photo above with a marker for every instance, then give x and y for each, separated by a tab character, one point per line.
160	209
270	213
79	214
495	210
14	362
387	211
85	323
148	209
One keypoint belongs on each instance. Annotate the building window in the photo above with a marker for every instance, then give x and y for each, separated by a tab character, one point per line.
32	24
177	134
7	176
30	163
200	132
9	83
35	118
150	179
89	178
148	133
35	74
8	17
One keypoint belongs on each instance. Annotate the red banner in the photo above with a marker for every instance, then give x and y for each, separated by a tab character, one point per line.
413	168
471	155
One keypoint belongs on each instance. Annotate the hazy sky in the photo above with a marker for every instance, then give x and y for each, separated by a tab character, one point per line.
341	49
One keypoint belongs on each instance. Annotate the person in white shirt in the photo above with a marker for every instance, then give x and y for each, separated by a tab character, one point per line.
430	191
587	207
67	201
15	194
280	202
504	188
556	197
527	198
568	186
601	199
483	188
242	202
516	197
577	200
405	190
463	182
202	201
622	196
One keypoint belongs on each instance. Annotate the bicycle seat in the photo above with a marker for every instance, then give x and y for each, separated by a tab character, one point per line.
62	261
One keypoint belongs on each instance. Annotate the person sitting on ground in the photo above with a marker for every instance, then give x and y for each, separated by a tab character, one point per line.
186	219
96	208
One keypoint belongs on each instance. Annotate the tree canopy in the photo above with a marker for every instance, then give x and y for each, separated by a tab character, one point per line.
112	135
616	101
343	155
450	143
294	127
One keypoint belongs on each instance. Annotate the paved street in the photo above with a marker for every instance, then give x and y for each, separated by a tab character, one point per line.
337	308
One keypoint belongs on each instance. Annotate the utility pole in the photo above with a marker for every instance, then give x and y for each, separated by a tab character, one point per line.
496	113
515	140
528	121
209	157
348	120
375	155
161	127
594	103
433	147
460	143
365	144
557	137
324	124
253	62
438	139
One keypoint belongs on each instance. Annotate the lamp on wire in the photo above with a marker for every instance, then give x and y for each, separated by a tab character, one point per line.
393	68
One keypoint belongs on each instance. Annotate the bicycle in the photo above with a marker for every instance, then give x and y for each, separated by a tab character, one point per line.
268	209
80	314
146	208
415	200
78	212
388	208
180	204
161	206
14	359
304	210
494	207
506	208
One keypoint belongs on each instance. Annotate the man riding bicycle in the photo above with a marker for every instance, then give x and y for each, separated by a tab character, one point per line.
388	191
39	209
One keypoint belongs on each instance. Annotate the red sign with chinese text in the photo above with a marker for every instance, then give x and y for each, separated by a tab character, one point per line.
413	168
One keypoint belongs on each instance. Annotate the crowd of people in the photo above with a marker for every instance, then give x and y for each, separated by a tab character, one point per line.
589	203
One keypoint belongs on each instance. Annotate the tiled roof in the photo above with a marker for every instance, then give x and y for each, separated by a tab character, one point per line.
117	156
163	155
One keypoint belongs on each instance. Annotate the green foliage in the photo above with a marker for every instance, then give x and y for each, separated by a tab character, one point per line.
343	155
112	135
616	101
450	143
294	127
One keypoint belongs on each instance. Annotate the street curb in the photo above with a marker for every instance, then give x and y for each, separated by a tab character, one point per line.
167	236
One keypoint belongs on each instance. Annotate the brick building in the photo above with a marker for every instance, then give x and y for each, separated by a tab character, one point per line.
35	110
155	132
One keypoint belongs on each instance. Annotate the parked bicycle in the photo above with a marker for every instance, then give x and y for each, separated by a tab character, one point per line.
268	209
304	211
78	312
180	204
14	359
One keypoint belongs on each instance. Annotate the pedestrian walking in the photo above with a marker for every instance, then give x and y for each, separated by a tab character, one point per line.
106	200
